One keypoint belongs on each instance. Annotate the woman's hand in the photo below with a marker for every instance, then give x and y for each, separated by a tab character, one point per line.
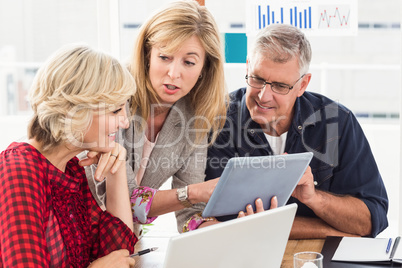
107	162
116	259
259	207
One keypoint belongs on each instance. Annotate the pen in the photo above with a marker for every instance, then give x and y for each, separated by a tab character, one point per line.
389	245
142	252
394	247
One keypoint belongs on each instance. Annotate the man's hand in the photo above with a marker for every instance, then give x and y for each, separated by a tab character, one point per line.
305	189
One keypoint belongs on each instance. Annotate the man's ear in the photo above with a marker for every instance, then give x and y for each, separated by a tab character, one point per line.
304	83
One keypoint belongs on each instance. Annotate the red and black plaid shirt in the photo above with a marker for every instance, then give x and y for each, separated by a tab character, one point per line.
49	218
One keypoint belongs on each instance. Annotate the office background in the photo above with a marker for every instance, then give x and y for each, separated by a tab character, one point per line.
362	72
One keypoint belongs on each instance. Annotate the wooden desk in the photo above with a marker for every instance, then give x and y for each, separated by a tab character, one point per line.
295	246
155	259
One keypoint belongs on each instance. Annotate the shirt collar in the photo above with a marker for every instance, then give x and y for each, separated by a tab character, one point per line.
304	113
69	180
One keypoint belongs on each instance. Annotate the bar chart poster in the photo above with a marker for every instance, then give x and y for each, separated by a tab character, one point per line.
314	17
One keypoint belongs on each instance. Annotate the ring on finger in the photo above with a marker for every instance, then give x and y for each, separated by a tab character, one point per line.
113	155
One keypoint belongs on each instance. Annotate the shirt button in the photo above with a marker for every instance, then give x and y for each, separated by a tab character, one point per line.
71	216
315	183
300	127
252	131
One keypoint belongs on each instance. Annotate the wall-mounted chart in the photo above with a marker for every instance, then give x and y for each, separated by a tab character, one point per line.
334	17
315	17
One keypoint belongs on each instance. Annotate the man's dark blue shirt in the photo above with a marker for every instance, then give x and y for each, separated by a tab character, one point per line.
342	164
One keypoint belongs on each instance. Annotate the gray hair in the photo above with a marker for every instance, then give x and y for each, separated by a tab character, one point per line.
280	43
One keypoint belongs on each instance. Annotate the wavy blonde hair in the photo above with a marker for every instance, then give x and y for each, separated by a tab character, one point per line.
72	85
171	26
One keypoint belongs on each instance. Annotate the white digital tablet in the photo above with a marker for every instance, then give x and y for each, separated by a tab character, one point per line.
245	179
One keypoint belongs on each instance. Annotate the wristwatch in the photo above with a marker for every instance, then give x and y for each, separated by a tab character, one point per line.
182	195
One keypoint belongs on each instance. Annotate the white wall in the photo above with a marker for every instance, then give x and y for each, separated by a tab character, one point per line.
385	143
13	129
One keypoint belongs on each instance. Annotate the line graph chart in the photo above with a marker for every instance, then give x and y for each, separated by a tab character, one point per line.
334	17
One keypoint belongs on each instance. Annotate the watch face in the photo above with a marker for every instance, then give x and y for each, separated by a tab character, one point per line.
182	194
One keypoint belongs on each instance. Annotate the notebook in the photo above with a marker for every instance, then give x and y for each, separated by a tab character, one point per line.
364	249
331	245
257	240
245	179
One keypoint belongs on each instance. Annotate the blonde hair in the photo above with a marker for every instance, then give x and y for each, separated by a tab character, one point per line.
72	85
171	26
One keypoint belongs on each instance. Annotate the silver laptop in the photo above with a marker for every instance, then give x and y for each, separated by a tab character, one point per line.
257	240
